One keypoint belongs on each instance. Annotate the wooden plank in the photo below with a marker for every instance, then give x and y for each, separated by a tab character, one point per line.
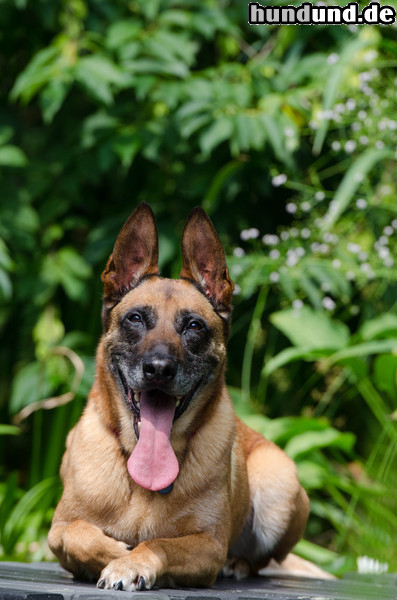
47	581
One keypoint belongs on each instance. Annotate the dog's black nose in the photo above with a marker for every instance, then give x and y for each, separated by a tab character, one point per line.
159	367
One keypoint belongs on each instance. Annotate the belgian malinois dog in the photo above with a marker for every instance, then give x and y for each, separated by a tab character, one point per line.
163	484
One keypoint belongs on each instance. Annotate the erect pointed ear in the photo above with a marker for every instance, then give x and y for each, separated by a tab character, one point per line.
204	260
135	255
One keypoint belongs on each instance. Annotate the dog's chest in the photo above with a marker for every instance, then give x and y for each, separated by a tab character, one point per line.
145	516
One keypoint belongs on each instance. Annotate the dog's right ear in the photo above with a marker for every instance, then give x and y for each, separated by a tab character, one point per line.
134	256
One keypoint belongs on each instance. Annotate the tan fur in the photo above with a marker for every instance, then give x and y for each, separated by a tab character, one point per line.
236	498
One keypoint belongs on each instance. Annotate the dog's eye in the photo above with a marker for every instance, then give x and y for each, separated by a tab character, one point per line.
194	326
134	318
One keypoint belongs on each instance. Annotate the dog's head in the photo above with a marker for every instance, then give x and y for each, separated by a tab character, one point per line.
165	339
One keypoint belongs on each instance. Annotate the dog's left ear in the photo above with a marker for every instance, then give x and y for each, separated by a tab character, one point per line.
134	256
204	260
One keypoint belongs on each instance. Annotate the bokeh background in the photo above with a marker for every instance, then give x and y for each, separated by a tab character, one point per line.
287	136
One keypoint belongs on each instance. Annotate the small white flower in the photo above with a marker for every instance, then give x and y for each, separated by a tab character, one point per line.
340	107
366	268
254	233
394	223
386	190
274	254
236	270
324	248
270	239
305	233
350	146
351	104
336	146
333	58
362	114
383	240
388	261
315	247
300	252
379	144
274	277
292	260
239	252
365	564
279	180
294	232
320	195
325	286
289	132
297	304
291	208
237	290
383	252
328	303
388	230
353	248
362	255
356	126
336	263
306	206
249	234
365	76
358	177
284	236
350	275
328	237
363	139
370	56
361	203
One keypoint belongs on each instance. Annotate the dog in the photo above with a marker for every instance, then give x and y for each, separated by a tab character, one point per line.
163	484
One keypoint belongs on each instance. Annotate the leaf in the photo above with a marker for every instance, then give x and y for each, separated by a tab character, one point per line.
11	156
36	75
383	325
5	285
385	374
290	355
311	329
275	136
309	441
29	385
126	148
364	349
99	76
38	497
215	134
9	430
122	32
351	181
52	98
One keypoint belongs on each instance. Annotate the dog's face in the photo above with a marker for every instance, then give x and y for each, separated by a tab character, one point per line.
165	340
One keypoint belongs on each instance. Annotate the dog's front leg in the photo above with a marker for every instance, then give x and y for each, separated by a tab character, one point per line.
83	549
189	560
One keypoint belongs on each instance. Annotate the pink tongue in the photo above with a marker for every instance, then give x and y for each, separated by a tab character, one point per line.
153	464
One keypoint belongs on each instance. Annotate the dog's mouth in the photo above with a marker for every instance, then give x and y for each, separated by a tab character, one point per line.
153	464
133	400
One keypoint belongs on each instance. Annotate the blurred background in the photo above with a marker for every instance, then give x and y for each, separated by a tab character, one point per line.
287	136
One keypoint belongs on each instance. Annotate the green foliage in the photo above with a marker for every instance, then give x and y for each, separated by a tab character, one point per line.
287	137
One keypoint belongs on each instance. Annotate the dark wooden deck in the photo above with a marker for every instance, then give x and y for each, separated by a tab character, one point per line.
47	581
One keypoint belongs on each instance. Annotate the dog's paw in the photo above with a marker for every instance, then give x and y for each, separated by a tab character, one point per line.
128	575
238	568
